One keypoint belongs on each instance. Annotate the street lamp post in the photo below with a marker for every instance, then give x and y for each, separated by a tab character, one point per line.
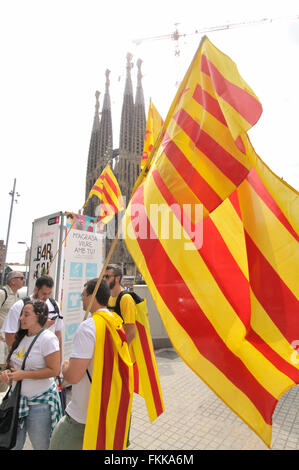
12	194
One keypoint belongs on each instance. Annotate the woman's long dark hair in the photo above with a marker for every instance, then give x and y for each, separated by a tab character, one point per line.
41	310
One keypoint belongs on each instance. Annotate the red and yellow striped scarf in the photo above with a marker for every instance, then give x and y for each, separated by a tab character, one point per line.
111	393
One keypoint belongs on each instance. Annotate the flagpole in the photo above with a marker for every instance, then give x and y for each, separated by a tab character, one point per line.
112	248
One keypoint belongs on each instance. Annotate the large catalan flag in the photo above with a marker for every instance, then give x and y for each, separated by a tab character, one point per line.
106	188
154	125
225	282
111	393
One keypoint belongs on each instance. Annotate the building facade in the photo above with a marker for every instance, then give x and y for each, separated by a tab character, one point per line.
125	160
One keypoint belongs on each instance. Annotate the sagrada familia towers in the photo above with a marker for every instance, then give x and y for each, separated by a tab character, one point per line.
126	159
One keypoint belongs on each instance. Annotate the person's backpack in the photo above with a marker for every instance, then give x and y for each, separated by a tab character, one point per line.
53	302
5	292
137	299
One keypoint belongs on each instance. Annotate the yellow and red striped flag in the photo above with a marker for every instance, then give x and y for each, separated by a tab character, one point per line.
154	125
111	392
225	282
146	375
106	188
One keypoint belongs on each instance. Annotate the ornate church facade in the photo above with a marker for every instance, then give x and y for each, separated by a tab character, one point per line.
126	159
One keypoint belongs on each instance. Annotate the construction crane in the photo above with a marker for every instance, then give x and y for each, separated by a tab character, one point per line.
175	36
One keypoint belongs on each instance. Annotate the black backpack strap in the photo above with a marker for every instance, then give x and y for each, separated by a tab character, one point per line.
5	293
30	346
56	309
116	307
87	372
137	299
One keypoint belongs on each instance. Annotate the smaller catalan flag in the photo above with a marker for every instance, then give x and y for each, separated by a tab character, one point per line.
107	190
146	375
154	125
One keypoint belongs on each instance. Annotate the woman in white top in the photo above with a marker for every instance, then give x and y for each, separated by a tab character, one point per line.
40	407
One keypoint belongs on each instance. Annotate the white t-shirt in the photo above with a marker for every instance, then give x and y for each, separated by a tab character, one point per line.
47	343
83	348
11	322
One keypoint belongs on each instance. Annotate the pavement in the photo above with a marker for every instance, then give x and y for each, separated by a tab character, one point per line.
196	419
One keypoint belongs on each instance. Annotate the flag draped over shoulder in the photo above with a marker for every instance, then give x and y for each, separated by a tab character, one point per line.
146	375
107	190
111	392
153	127
225	281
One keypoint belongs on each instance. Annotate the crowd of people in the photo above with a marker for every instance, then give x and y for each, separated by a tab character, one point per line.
41	415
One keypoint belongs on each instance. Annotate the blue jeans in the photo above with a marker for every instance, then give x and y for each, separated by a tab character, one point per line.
38	426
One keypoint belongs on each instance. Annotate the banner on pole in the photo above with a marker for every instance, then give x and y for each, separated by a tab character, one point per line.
83	258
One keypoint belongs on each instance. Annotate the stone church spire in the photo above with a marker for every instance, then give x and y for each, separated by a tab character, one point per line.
92	160
105	135
127	115
139	115
94	139
92	155
101	145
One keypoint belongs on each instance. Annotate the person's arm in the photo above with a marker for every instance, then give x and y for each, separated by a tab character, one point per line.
51	370
9	338
11	322
3	376
128	312
74	369
130	331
